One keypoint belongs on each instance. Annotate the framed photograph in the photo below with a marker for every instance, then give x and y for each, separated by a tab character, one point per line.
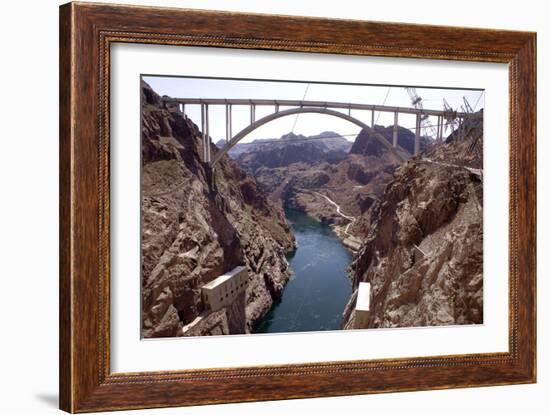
260	207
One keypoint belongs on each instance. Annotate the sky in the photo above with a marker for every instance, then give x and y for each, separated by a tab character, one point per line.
306	124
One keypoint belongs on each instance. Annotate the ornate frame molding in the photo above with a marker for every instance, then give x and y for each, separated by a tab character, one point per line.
86	33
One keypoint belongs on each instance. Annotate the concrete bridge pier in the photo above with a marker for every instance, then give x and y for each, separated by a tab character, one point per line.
417	135
228	123
395	125
205	133
252	114
439	137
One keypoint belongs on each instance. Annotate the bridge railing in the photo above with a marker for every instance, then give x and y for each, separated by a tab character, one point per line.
320	104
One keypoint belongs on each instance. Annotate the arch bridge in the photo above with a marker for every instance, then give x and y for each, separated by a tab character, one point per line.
299	107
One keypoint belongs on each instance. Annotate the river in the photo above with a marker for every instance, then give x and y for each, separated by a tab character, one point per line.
316	295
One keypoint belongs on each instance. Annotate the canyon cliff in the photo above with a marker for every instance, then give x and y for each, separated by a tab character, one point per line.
198	223
318	187
423	251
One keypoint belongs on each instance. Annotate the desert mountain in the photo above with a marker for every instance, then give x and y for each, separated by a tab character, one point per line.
405	140
289	149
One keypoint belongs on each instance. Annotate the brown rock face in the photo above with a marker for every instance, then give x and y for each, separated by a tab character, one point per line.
464	146
198	224
367	144
353	183
424	251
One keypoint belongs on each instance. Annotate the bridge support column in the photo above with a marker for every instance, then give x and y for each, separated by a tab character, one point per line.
208	149
461	128
395	120
252	113
417	136
205	133
228	123
372	119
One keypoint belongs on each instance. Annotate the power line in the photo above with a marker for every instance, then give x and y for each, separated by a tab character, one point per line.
478	99
384	103
303	99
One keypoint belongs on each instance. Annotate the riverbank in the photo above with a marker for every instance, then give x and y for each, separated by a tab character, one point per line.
342	230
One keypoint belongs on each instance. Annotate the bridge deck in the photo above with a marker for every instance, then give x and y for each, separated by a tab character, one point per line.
318	104
303	106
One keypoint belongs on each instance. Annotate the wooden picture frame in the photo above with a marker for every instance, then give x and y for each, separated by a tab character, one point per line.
86	33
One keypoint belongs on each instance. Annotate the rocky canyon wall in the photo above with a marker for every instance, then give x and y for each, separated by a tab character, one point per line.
423	253
353	183
198	224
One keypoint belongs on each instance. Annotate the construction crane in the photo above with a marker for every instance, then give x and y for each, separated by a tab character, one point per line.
450	116
466	121
416	101
453	122
467	107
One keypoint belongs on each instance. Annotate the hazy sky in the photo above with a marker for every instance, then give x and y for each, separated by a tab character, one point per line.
306	124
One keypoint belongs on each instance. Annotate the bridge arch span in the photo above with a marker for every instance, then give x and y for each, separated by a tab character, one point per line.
401	154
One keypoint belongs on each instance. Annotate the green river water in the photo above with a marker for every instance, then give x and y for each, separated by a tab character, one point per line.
315	297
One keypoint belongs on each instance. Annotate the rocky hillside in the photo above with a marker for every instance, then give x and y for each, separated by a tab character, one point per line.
405	138
464	146
423	253
198	224
353	183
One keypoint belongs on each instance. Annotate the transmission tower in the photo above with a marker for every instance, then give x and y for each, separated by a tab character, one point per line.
416	101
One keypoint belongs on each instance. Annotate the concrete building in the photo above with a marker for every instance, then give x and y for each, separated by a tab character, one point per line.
223	291
352	243
362	306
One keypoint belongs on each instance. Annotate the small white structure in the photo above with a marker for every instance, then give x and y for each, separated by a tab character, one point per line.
352	243
222	291
418	253
362	306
